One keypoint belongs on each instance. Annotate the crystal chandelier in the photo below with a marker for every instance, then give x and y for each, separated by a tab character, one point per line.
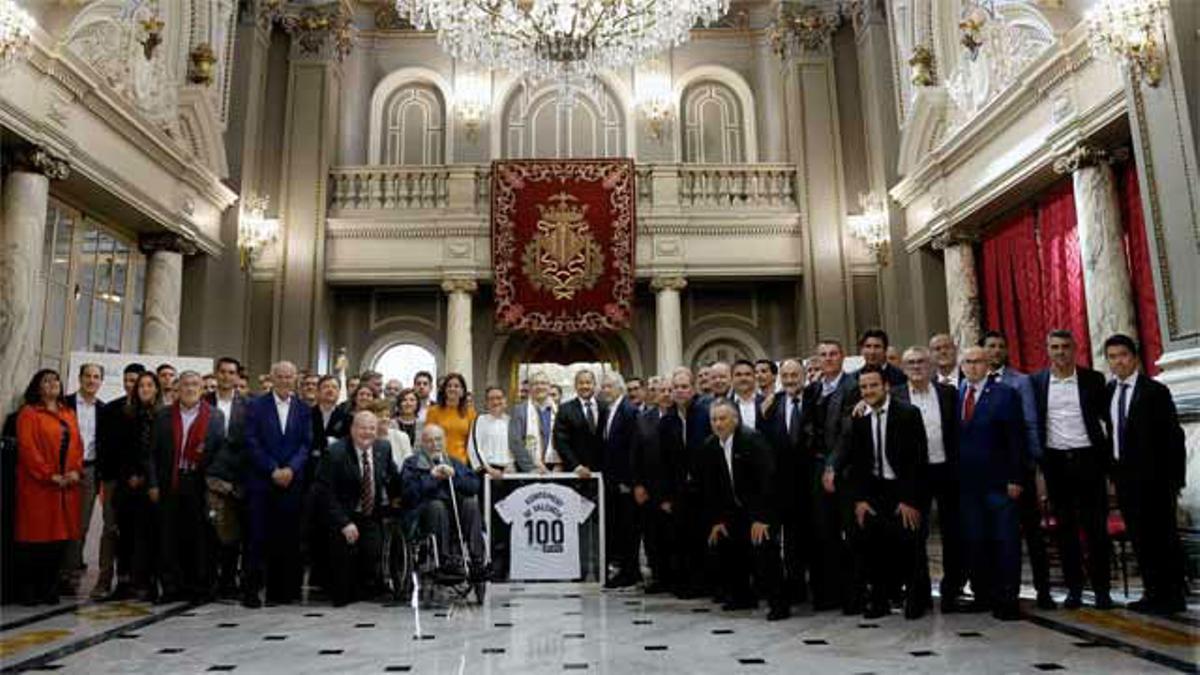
562	39
255	230
1128	30
15	28
870	224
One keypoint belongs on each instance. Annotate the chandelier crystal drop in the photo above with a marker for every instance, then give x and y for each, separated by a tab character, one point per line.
561	39
15	28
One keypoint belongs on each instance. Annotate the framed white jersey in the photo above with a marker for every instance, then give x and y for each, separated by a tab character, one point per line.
544	521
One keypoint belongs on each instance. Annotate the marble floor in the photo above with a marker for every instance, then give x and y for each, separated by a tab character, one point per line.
553	628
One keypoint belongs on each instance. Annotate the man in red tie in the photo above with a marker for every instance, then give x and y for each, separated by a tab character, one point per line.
990	450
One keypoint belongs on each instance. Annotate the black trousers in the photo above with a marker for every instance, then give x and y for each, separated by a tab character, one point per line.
1078	494
696	569
137	537
796	525
943	487
1149	510
273	543
623	535
740	560
185	536
37	570
354	568
1031	529
887	552
658	529
830	567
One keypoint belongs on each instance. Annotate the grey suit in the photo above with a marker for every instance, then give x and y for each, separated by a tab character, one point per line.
517	426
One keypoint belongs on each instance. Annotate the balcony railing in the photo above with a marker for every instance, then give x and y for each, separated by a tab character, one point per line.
697	187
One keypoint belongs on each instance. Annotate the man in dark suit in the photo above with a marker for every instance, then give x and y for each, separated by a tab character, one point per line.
1071	430
187	435
225	472
278	442
783	424
745	394
829	402
873	347
88	414
1148	445
939	416
623	535
108	470
737	474
427	477
329	420
885	469
654	485
996	346
579	428
351	484
682	432
990	478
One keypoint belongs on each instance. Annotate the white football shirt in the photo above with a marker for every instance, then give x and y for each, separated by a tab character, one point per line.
544	536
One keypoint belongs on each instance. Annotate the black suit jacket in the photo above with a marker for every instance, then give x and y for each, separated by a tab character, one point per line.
1093	400
161	463
618	465
339	480
832	435
229	463
652	465
750	496
792	454
947	408
576	444
338	427
1152	450
906	449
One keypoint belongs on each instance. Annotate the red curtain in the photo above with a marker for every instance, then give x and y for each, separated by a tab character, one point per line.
1137	253
1032	278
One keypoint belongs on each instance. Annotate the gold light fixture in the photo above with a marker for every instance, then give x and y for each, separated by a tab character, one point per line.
255	230
1129	30
471	102
153	27
870	225
200	64
15	28
654	99
921	66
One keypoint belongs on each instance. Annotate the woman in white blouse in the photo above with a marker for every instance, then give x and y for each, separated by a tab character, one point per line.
487	442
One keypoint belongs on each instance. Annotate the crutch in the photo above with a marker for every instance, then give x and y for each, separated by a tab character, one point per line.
462	542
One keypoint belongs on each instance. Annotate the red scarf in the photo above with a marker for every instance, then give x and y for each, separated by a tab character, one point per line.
193	448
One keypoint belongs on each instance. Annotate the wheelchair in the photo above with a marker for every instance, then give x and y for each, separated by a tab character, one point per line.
412	562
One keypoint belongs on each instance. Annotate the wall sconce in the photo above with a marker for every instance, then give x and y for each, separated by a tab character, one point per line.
15	28
200	64
255	230
871	226
471	102
1126	30
153	26
654	99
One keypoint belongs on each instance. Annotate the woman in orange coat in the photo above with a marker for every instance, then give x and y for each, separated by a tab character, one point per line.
49	463
454	415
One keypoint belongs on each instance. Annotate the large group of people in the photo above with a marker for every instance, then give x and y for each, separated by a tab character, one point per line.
748	481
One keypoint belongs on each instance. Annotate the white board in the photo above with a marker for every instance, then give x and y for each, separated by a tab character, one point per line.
114	366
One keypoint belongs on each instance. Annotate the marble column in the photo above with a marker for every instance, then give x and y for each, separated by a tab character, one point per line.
164	291
962	291
458	326
668	323
26	194
1106	284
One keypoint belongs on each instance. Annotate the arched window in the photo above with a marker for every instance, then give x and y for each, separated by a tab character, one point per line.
713	132
414	126
537	124
404	360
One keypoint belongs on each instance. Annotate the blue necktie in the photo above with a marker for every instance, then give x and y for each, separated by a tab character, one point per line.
1121	415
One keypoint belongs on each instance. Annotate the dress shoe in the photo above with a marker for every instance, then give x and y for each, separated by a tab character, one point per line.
876	610
739	605
779	613
1074	600
1045	601
1008	612
251	601
1144	604
1104	601
620	581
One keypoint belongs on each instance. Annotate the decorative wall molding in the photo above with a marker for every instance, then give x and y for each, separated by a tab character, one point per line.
740	87
390	84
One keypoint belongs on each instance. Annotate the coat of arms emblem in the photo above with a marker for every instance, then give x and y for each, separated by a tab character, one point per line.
563	257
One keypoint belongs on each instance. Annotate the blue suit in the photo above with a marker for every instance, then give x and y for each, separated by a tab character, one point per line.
990	459
1029	411
273	513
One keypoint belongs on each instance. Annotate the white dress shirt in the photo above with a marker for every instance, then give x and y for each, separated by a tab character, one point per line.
225	405
830	386
487	444
879	431
1114	409
282	406
85	415
748	409
1065	429
727	448
952	379
612	413
188	417
931	414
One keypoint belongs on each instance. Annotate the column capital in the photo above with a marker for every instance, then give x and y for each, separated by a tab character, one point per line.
318	32
1084	155
668	283
166	241
459	286
39	159
943	240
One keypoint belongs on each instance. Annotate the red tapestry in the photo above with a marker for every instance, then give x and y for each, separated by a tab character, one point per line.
563	244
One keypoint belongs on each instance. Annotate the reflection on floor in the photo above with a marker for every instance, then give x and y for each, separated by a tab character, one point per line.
552	628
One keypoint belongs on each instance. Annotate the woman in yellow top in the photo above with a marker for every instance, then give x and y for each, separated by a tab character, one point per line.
453	414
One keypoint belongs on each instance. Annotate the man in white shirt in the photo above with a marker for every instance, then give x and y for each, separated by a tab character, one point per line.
423	385
224	477
87	412
745	395
945	359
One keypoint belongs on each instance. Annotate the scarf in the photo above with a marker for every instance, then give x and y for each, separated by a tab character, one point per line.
533	433
192	449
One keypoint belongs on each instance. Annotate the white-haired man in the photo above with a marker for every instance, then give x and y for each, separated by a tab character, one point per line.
622	522
427	478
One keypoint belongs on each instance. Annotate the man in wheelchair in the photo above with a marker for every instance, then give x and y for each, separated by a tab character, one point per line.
427	478
353	481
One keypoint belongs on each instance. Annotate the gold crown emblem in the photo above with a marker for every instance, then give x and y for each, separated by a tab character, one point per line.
564	208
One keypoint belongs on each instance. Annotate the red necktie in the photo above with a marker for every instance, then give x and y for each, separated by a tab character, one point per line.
969	406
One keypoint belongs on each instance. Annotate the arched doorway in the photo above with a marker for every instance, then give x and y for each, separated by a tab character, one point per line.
617	350
403	360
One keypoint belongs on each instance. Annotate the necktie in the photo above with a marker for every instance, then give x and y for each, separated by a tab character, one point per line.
367	498
547	422
591	416
794	420
969	406
1121	402
879	443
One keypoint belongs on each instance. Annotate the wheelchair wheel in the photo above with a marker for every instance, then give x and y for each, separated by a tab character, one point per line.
399	565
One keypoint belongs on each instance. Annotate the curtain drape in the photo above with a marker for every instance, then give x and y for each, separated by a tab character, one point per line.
1137	254
1064	302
